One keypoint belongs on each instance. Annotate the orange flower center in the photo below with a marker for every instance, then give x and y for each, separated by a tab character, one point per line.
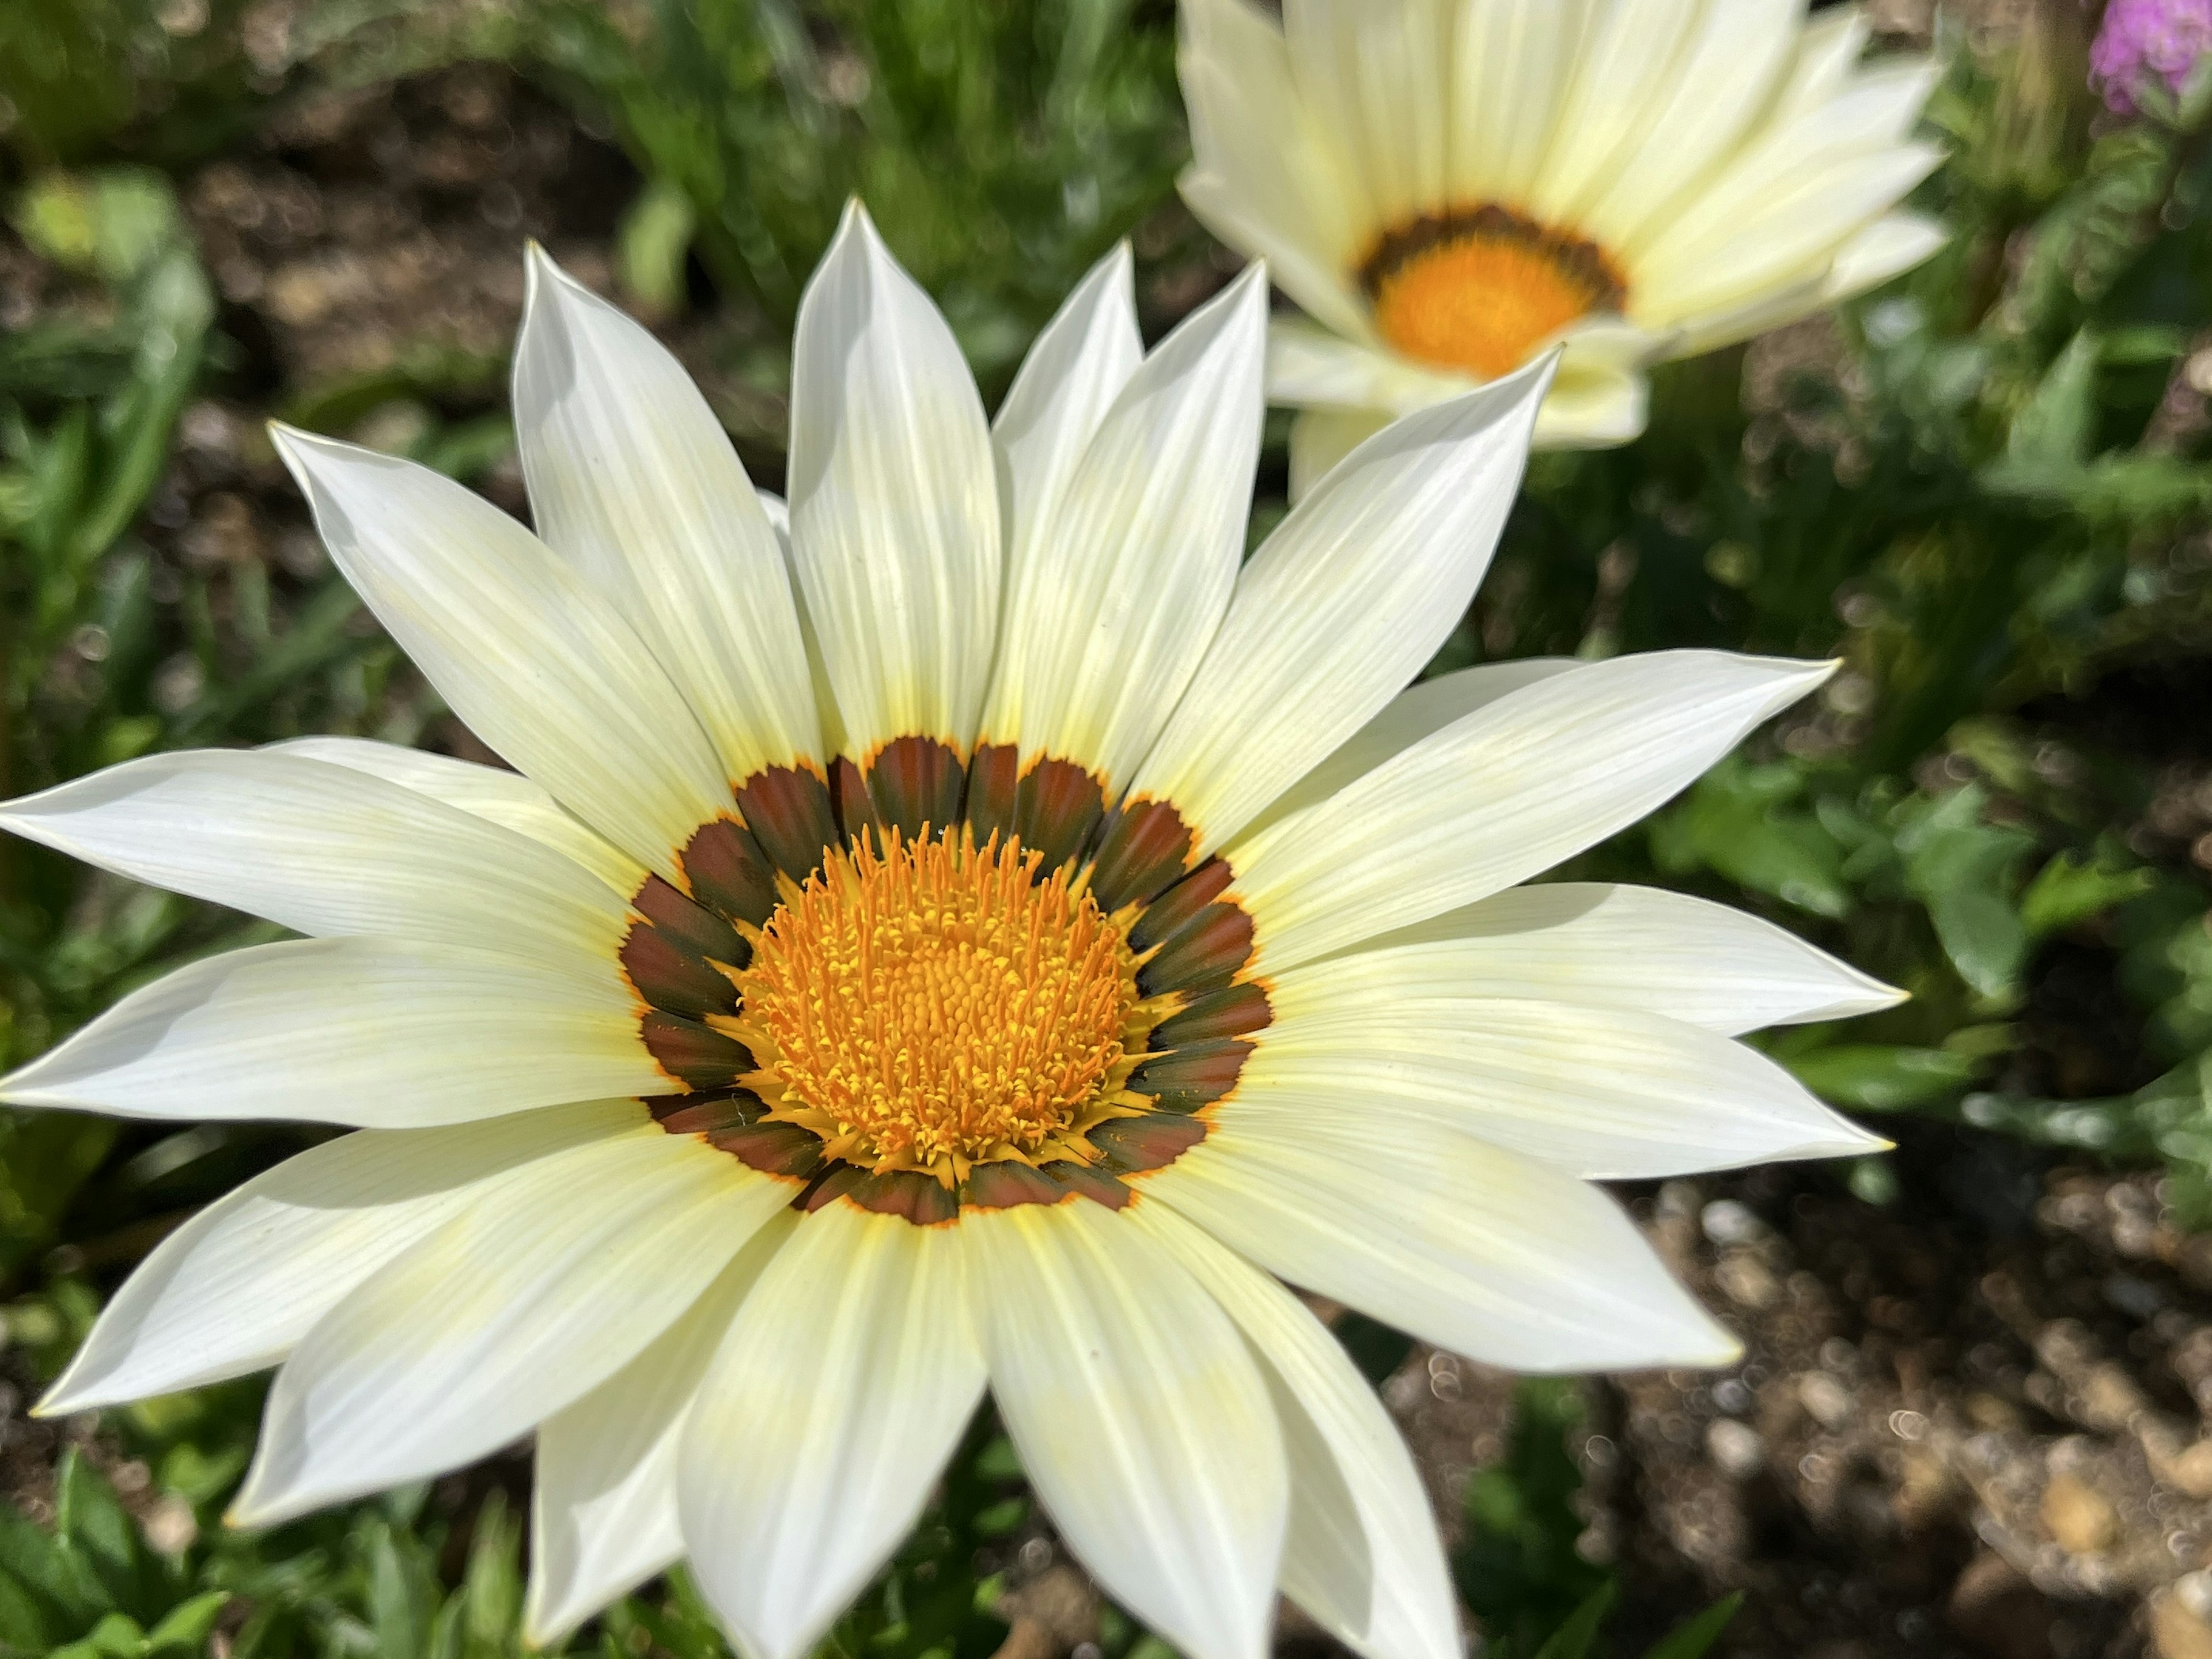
935	1005
1479	290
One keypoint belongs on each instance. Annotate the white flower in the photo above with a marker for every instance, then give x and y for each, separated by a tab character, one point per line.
1448	188
728	1123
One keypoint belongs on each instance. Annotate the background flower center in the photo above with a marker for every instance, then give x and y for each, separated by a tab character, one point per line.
935	1005
1480	288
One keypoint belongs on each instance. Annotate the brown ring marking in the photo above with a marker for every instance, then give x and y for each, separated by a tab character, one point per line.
995	783
690	1053
1576	256
788	811
1191	1077
730	872
916	781
1140	847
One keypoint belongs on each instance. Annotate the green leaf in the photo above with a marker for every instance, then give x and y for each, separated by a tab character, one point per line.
185	1627
1883	1077
1572	1640
2068	891
1693	1636
1965	871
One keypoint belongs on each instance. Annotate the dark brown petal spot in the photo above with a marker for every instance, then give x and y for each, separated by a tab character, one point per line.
1130	1146
729	872
1142	847
1205	954
690	1053
994	783
670	978
923	1199
776	1149
1085	1182
1191	1077
1172	910
788	811
1002	1186
1060	806
915	781
1234	1011
684	1115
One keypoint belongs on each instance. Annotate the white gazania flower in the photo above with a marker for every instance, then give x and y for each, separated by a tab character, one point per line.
981	940
1448	188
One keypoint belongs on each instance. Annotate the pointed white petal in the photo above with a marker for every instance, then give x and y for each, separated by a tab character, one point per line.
1418	712
1594	404
1796	232
1512	62
1106	622
1376	75
843	1385
322	849
1463	1244
539	665
1269	179
1736	55
1309	368
894	500
603	1512
1363	1554
1888	247
1067	382
233	1289
1624	70
1319	438
518	1306
1599	946
1827	47
633	481
1605	1093
1343	604
380	1032
506	799
1139	1416
1503	794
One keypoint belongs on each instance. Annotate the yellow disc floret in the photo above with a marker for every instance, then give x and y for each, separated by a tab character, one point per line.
934	1004
1480	289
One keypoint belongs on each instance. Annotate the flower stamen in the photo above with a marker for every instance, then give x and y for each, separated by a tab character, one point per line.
934	1004
1480	288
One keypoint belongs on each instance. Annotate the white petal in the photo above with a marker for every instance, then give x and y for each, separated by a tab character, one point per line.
1796	232
1594	404
1309	368
633	481
1139	1417
1599	946
233	1289
1363	1554
322	849
894	500
1106	622
1342	605
1737	54
506	799
1512	61
541	667
1418	712
1625	68
1502	794
1319	438
1827	47
1375	74
515	1307
385	1033
1067	382
1891	246
1462	1243
603	1513
846	1380
1605	1093
1269	179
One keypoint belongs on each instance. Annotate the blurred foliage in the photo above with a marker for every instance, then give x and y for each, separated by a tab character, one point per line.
1521	1571
1986	489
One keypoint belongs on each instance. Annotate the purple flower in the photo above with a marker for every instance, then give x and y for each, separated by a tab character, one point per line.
2146	40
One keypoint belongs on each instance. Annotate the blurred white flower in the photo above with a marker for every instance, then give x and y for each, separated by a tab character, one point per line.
1450	188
